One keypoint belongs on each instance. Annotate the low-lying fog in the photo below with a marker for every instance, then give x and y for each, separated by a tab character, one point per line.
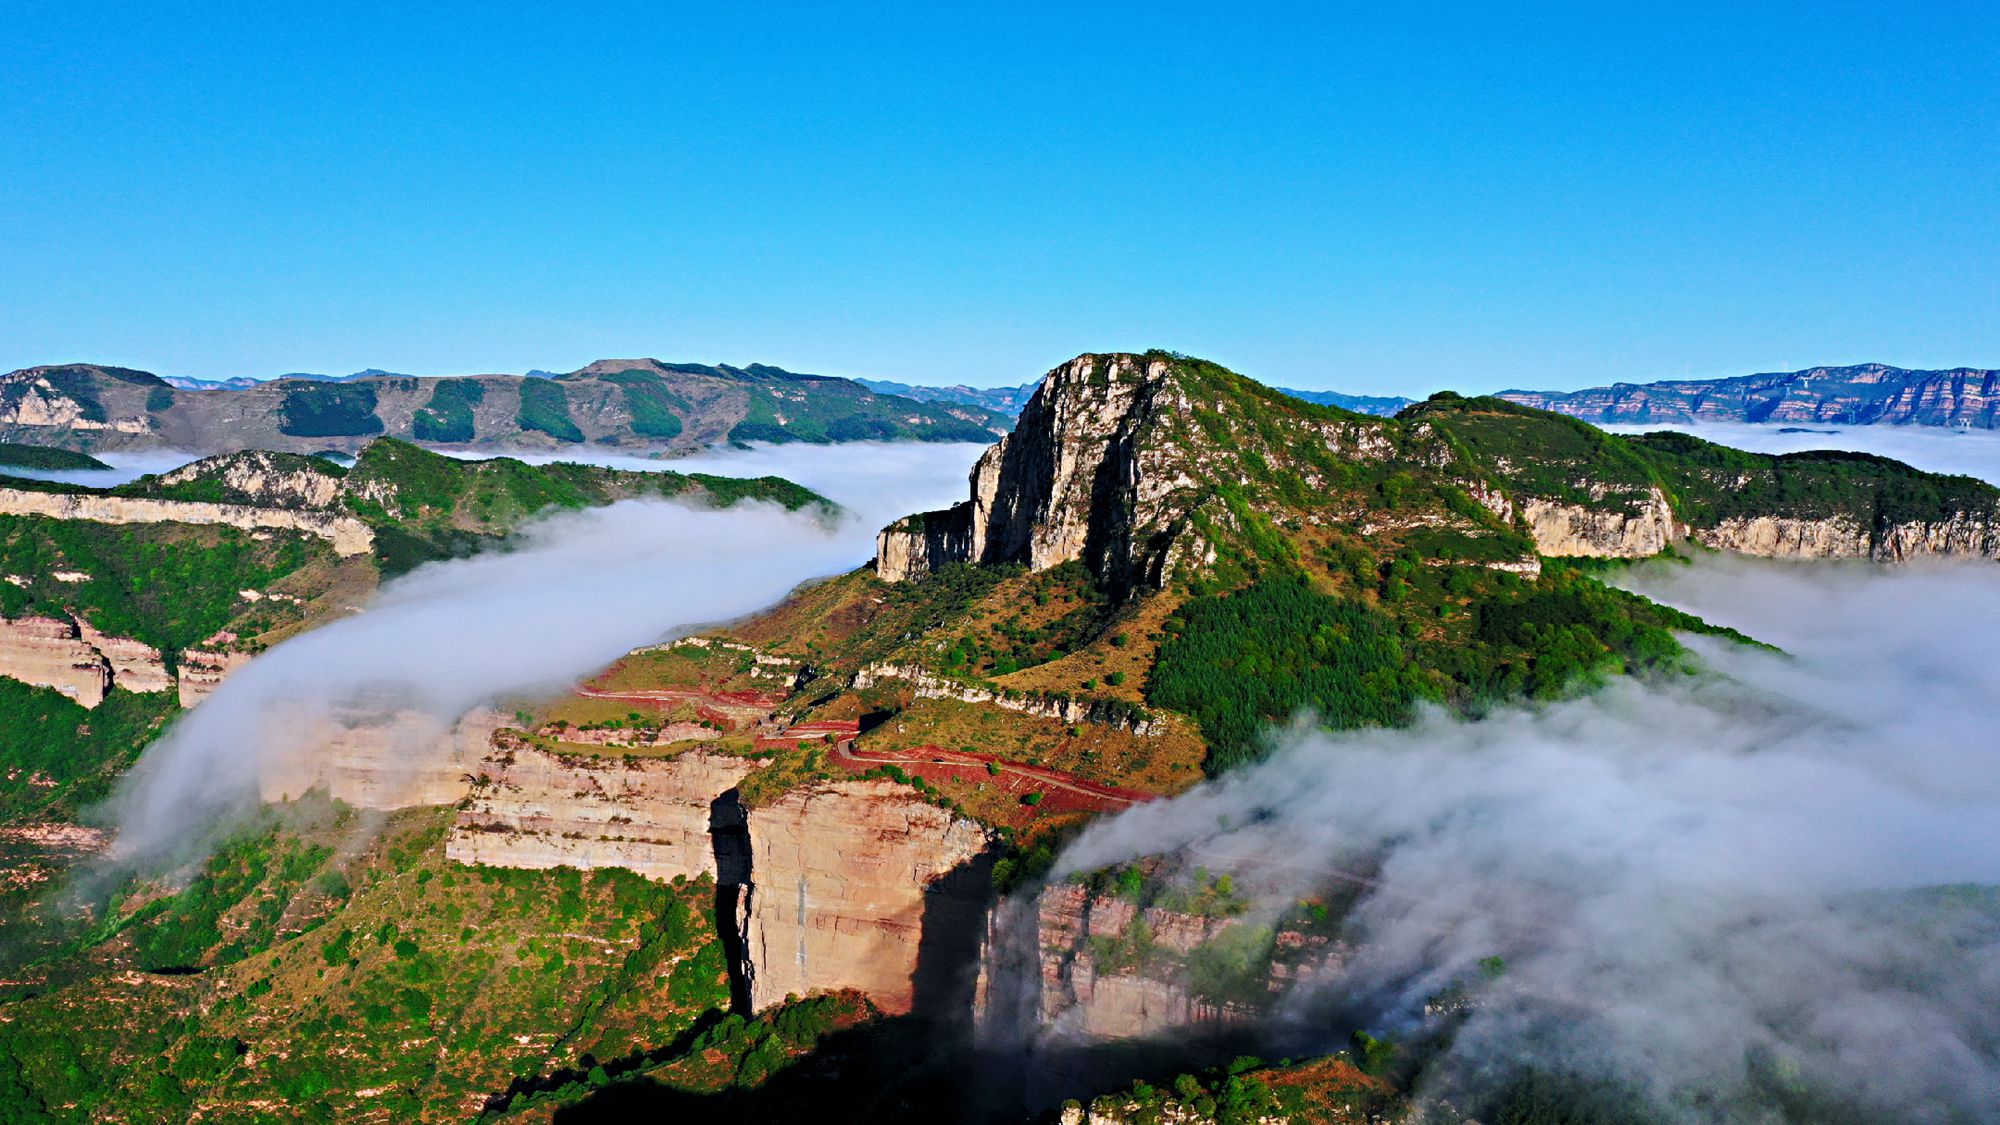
125	468
1937	449
1727	883
582	589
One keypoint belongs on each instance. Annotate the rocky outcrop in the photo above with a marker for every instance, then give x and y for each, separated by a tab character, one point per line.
1073	481
135	666
1965	536
349	536
265	479
48	652
76	659
377	760
536	808
864	885
201	669
1862	394
925	684
1096	967
1635	531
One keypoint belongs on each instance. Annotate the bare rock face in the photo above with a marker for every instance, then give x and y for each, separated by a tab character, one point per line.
862	884
1073	481
1781	537
1099	968
202	669
48	652
379	761
77	660
264	478
535	808
134	666
349	536
1569	530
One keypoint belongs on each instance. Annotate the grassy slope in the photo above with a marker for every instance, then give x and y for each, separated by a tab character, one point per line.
322	984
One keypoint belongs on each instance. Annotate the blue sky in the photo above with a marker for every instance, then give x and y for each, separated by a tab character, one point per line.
1317	195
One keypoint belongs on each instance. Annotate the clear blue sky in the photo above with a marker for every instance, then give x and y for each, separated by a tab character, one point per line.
1473	196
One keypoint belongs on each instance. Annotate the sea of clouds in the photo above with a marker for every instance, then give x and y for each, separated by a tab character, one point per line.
1715	889
580	589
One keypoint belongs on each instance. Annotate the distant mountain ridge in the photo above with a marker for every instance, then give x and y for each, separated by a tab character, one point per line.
1861	394
622	403
1011	399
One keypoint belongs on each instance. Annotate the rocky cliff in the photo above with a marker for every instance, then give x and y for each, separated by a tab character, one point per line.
845	884
537	808
1077	479
77	660
378	760
1859	395
200	670
349	536
864	885
1099	967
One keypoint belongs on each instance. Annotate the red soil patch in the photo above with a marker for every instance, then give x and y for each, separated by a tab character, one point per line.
1061	792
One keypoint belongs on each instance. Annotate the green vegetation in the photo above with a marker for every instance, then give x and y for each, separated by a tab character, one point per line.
656	410
426	506
59	757
448	417
15	455
168	585
431	985
329	410
545	409
811	408
1238	662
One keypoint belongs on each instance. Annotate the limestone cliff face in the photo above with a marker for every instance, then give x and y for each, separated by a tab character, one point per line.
1096	967
1073	481
135	666
846	884
379	761
48	652
349	536
1569	530
77	660
536	808
862	884
201	669
1784	538
28	398
263	478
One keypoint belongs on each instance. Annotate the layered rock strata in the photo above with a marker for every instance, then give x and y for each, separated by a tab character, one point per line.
77	660
201	669
536	808
1073	481
348	536
378	760
861	884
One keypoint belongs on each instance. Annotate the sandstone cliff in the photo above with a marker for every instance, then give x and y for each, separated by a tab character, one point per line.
77	660
200	670
378	760
1077	479
538	808
862	884
349	536
1099	967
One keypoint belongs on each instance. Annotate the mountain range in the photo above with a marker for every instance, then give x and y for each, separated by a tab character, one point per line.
796	866
1857	395
636	403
